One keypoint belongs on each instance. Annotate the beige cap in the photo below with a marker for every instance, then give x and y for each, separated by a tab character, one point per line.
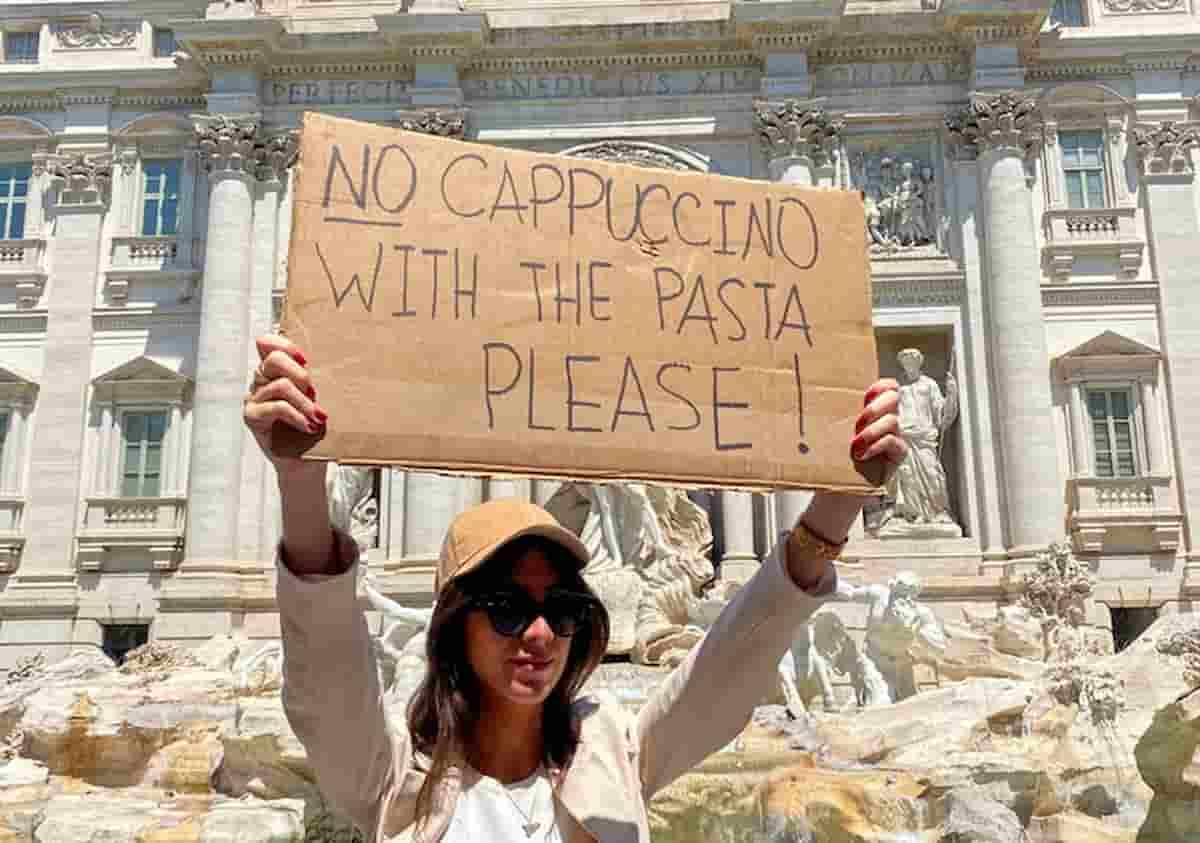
479	532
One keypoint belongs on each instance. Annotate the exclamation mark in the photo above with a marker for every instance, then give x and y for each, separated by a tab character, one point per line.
801	446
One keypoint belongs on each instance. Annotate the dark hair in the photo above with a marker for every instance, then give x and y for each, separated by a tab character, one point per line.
442	712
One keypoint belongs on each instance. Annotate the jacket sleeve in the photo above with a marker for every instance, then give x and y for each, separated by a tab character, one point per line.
709	698
331	692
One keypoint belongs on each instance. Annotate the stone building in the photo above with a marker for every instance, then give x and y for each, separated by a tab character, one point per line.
1032	213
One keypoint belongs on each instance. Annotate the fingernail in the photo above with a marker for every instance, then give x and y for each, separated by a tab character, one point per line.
858	451
860	424
299	357
311	393
313	427
321	415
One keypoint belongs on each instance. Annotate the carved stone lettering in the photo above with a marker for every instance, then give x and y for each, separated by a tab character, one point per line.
336	92
889	74
638	83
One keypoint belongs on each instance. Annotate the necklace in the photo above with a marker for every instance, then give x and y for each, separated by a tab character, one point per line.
530	825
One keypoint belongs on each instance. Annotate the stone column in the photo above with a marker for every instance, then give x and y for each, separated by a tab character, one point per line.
79	197
1003	131
799	139
214	485
1155	458
737	524
1079	431
1165	153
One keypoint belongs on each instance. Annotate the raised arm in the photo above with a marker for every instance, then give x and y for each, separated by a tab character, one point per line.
331	693
707	701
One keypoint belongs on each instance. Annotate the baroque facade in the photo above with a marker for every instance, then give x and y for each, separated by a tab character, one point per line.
1031	211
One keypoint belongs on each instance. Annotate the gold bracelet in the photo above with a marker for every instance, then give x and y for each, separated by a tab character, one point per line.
804	540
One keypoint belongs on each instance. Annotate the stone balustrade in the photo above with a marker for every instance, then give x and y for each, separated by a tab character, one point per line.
1137	513
155	527
1106	234
22	264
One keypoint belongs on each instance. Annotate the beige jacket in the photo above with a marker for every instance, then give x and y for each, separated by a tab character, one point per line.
367	770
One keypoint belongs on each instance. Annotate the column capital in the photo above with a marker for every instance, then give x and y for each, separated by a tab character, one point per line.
238	144
1009	121
797	129
81	180
226	142
1164	148
443	122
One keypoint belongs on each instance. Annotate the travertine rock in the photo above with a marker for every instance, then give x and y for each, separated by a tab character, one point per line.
969	816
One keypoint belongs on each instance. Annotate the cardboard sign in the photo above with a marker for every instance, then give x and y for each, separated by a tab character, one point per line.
467	308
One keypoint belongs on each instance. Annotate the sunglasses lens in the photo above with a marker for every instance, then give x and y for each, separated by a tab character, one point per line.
508	618
566	615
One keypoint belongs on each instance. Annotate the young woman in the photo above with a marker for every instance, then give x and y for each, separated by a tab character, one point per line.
500	745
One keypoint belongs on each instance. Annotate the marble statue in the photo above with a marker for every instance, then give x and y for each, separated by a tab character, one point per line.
823	647
918	504
401	638
649	563
900	632
353	506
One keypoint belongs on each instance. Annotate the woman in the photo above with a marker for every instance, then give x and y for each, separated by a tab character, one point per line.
499	743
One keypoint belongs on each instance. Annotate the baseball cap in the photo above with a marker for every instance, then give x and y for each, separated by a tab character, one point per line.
476	534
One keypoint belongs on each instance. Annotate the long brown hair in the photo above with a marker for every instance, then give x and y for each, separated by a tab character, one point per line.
443	711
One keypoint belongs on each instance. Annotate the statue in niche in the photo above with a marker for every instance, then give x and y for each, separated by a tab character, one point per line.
649	564
900	200
900	633
353	504
917	503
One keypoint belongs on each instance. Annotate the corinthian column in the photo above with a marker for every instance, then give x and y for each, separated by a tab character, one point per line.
78	202
227	156
1003	131
800	141
1165	153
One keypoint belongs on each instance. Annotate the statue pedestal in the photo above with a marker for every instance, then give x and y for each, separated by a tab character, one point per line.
898	528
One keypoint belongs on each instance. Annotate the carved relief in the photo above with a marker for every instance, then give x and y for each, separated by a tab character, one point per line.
237	144
797	129
901	194
640	154
94	32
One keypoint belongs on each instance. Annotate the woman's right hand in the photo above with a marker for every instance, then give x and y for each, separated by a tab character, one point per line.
282	391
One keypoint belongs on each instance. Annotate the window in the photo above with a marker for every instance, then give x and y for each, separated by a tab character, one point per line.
1083	168
164	42
142	434
1111	414
160	197
21	47
14	193
121	638
5	419
1067	13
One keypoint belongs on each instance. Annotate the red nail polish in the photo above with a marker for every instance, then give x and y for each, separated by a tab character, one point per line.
857	452
311	393
299	357
312	427
860	424
321	415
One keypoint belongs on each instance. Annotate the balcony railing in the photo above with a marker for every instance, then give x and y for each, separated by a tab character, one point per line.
1136	512
150	262
22	264
153	528
12	537
1106	233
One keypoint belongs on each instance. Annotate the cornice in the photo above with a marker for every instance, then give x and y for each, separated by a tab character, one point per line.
544	64
1065	71
363	67
1099	295
883	51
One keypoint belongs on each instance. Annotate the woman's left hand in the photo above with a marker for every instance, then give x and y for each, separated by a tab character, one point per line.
877	436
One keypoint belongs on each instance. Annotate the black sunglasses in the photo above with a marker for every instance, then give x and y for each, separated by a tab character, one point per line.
512	612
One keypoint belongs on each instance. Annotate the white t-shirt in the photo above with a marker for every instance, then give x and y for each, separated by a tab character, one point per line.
521	812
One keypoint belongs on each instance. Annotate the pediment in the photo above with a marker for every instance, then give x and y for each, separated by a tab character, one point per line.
1111	344
17	386
141	369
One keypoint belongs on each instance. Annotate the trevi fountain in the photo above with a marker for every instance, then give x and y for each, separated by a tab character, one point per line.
1017	723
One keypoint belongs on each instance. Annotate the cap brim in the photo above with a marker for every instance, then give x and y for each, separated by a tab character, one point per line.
559	535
